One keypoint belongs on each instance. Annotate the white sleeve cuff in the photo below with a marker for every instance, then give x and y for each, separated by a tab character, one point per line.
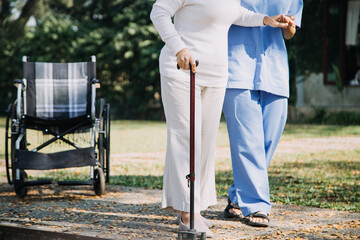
249	18
175	45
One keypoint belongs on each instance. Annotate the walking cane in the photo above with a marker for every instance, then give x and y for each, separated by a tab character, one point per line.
191	233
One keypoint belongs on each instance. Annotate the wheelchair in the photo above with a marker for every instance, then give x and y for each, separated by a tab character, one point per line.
57	100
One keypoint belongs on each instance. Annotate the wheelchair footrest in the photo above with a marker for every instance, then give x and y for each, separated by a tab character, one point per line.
87	182
34	183
45	161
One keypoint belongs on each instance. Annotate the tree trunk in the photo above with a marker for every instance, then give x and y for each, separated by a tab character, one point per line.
27	11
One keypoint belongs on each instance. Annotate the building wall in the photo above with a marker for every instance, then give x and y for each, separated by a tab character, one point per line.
313	92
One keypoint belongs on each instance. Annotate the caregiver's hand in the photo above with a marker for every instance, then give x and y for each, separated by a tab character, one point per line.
184	58
290	31
281	21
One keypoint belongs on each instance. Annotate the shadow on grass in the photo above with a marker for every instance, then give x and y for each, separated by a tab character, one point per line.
331	184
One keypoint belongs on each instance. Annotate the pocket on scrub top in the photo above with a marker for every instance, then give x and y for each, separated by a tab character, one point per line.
277	68
242	62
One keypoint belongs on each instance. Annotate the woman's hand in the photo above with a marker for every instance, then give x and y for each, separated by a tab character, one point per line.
184	59
281	21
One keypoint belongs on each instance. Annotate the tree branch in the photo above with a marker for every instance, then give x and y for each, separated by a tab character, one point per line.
27	11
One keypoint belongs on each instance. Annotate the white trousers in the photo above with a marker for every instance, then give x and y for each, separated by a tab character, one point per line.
208	105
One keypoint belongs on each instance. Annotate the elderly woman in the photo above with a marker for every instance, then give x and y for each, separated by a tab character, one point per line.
199	31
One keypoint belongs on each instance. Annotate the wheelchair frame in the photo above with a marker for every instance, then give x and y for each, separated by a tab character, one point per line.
16	142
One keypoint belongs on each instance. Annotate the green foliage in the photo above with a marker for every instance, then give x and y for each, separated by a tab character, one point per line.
319	115
342	117
10	59
118	32
305	48
121	35
339	83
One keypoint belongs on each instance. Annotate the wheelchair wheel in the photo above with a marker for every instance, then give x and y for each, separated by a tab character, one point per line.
10	143
104	138
107	141
99	181
20	188
101	134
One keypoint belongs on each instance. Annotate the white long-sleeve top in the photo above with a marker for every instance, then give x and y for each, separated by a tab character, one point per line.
202	27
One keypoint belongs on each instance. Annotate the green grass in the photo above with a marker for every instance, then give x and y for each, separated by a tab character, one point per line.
323	179
148	136
326	179
137	136
313	131
329	180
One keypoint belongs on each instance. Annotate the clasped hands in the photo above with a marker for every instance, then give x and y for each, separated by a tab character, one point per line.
280	21
184	57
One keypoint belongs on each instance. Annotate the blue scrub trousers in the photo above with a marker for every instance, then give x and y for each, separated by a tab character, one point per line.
255	121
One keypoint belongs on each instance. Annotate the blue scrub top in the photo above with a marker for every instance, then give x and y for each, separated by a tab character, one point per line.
257	55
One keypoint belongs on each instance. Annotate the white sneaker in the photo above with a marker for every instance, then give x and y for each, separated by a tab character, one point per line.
200	226
207	222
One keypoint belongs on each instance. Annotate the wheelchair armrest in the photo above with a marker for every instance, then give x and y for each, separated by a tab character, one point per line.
18	81
96	82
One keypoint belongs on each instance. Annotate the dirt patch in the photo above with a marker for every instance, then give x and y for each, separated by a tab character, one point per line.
313	145
133	213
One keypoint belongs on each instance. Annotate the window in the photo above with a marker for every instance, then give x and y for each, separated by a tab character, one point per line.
342	42
352	43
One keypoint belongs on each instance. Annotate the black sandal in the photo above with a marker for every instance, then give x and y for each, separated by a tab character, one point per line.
258	224
227	212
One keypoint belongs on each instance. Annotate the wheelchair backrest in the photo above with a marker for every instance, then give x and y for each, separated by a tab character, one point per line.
58	90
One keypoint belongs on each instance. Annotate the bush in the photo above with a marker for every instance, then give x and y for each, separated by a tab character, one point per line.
342	118
335	117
